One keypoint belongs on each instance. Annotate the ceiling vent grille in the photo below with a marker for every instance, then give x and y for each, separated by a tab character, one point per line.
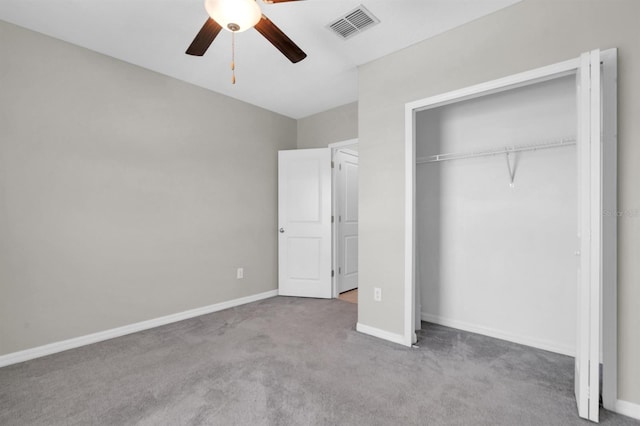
353	22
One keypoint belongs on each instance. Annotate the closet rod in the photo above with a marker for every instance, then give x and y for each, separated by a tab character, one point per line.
495	151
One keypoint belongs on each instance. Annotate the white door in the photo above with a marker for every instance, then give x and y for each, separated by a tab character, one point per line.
304	223
587	361
346	166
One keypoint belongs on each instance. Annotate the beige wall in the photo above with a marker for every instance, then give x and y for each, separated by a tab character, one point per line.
527	35
125	195
335	125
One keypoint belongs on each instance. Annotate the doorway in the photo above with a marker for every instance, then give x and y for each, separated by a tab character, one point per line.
344	163
318	221
594	74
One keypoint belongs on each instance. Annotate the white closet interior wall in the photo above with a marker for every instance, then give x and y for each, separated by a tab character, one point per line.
491	258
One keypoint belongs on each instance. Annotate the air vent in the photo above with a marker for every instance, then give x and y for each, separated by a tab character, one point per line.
353	23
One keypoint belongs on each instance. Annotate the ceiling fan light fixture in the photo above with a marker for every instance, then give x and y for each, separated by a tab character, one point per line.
234	15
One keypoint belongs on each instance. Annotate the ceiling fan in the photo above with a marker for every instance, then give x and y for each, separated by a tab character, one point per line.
240	15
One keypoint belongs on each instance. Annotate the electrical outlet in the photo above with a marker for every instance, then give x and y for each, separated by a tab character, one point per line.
240	273
377	294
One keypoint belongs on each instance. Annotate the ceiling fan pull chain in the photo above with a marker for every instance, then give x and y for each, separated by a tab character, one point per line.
233	57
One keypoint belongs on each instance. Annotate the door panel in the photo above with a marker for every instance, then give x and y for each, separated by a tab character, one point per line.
304	216
351	255
347	223
303	191
304	258
589	151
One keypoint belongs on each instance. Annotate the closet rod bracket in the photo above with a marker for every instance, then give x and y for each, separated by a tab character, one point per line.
511	170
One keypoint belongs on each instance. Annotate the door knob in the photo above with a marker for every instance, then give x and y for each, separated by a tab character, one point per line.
282	230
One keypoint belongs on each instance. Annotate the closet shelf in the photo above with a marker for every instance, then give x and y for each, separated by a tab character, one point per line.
495	151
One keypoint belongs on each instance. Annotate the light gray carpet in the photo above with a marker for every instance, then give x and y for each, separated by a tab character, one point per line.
289	361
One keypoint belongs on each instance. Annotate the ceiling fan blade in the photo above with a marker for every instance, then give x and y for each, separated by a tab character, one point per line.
277	1
280	40
204	38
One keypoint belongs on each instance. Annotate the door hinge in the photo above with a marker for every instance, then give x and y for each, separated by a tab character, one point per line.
332	165
339	270
332	273
340	166
332	219
339	218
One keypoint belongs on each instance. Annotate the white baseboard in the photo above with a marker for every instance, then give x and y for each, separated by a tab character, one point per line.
52	348
381	334
627	408
499	334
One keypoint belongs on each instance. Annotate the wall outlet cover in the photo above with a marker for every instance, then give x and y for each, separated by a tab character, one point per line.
377	294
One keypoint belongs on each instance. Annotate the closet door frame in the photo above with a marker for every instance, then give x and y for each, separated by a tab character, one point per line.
603	257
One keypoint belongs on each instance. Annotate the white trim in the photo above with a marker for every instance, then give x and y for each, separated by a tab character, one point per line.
627	408
76	342
409	220
348	151
595	233
499	334
609	230
381	334
334	230
342	144
506	83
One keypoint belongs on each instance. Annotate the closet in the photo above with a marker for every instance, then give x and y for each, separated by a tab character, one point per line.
510	185
496	214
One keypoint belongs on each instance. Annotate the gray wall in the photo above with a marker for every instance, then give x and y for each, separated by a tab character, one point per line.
125	195
530	34
335	125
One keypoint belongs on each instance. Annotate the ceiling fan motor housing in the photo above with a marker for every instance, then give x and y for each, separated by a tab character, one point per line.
234	15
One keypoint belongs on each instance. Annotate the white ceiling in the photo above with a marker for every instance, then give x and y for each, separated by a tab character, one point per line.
155	33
